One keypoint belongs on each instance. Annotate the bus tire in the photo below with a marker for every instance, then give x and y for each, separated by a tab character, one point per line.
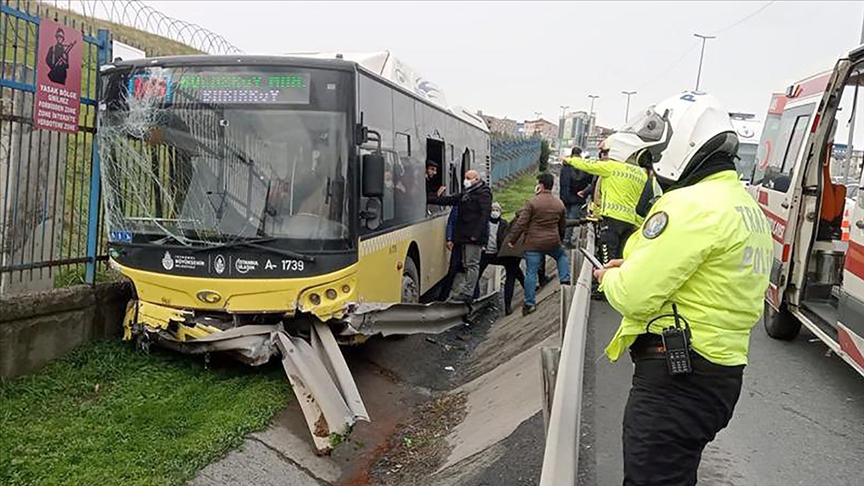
410	290
781	324
410	282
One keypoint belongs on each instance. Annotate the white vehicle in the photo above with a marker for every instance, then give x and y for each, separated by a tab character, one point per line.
817	278
749	132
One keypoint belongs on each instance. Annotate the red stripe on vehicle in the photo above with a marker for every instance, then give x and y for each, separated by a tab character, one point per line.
847	344
778	103
855	259
813	86
815	122
773	295
778	226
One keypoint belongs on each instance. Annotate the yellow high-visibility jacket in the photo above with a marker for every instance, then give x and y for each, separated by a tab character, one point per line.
621	187
708	249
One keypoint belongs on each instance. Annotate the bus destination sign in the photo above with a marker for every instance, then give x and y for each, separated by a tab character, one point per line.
168	86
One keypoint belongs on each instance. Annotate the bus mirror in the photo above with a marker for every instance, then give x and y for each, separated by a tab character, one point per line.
373	175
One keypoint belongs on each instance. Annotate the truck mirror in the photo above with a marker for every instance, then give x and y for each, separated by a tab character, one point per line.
373	175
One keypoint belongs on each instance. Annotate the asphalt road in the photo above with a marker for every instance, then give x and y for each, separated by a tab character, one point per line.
799	421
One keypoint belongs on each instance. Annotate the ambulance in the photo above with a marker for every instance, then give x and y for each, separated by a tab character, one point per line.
749	131
817	269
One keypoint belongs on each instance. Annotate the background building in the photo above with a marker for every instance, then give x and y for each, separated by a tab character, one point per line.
500	125
575	130
598	134
542	128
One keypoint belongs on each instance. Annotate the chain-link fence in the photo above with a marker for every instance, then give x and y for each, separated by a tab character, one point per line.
511	157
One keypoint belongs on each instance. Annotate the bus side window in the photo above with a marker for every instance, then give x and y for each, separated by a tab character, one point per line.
455	180
466	162
390	187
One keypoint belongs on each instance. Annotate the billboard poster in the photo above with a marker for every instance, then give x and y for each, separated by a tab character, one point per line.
58	77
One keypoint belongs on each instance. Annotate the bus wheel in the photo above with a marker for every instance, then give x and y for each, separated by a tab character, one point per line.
781	325
410	283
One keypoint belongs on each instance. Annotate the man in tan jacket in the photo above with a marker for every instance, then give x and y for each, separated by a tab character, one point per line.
542	222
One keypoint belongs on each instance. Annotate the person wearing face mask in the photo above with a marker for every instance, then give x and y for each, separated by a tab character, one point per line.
493	255
474	204
543	221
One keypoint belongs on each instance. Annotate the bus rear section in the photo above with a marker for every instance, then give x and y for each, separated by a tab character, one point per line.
801	182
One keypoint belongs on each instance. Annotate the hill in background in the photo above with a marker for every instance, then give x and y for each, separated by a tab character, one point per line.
152	44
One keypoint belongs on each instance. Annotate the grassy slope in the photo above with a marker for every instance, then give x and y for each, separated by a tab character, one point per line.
107	414
513	197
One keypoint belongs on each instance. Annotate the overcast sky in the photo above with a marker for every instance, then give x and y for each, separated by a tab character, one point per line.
514	59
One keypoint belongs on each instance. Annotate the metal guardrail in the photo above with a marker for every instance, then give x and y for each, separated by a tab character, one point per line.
562	377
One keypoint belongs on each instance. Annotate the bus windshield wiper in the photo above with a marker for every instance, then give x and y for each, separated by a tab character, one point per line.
258	243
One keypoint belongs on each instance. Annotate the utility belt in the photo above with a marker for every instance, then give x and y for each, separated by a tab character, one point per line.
652	348
673	345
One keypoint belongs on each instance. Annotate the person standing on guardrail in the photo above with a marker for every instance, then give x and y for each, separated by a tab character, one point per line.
542	221
572	182
475	206
621	186
690	288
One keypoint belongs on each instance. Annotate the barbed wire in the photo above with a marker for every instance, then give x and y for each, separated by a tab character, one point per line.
138	15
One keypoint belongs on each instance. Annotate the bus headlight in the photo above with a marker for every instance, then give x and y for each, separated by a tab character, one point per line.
315	299
330	294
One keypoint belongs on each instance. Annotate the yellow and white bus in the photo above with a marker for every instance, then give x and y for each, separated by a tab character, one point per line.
254	190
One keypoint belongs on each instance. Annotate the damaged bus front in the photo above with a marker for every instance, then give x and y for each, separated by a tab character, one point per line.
226	192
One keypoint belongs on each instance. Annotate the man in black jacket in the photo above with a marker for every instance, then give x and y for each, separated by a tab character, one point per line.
573	182
472	229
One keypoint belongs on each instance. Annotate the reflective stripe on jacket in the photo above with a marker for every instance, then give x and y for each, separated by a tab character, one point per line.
712	258
622	185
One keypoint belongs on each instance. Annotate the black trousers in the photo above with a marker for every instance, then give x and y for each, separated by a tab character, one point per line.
669	420
453	270
613	235
512	274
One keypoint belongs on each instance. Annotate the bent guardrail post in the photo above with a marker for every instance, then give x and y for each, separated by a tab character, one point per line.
561	455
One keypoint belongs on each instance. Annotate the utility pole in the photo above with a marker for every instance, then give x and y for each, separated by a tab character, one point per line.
701	57
590	118
627	110
561	129
537	115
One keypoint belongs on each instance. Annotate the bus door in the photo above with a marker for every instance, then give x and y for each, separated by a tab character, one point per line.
777	178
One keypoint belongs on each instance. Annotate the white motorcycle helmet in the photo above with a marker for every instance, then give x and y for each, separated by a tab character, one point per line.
675	136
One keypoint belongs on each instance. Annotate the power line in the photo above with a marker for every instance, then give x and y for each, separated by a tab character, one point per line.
748	17
697	43
669	68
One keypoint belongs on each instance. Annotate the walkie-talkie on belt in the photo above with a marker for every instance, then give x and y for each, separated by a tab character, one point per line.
676	341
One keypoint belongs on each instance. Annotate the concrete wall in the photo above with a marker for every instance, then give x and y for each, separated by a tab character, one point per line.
38	327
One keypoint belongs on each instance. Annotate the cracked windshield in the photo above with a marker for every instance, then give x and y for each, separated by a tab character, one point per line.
214	155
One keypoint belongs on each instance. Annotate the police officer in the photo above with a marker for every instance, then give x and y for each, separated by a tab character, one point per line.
620	189
690	288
